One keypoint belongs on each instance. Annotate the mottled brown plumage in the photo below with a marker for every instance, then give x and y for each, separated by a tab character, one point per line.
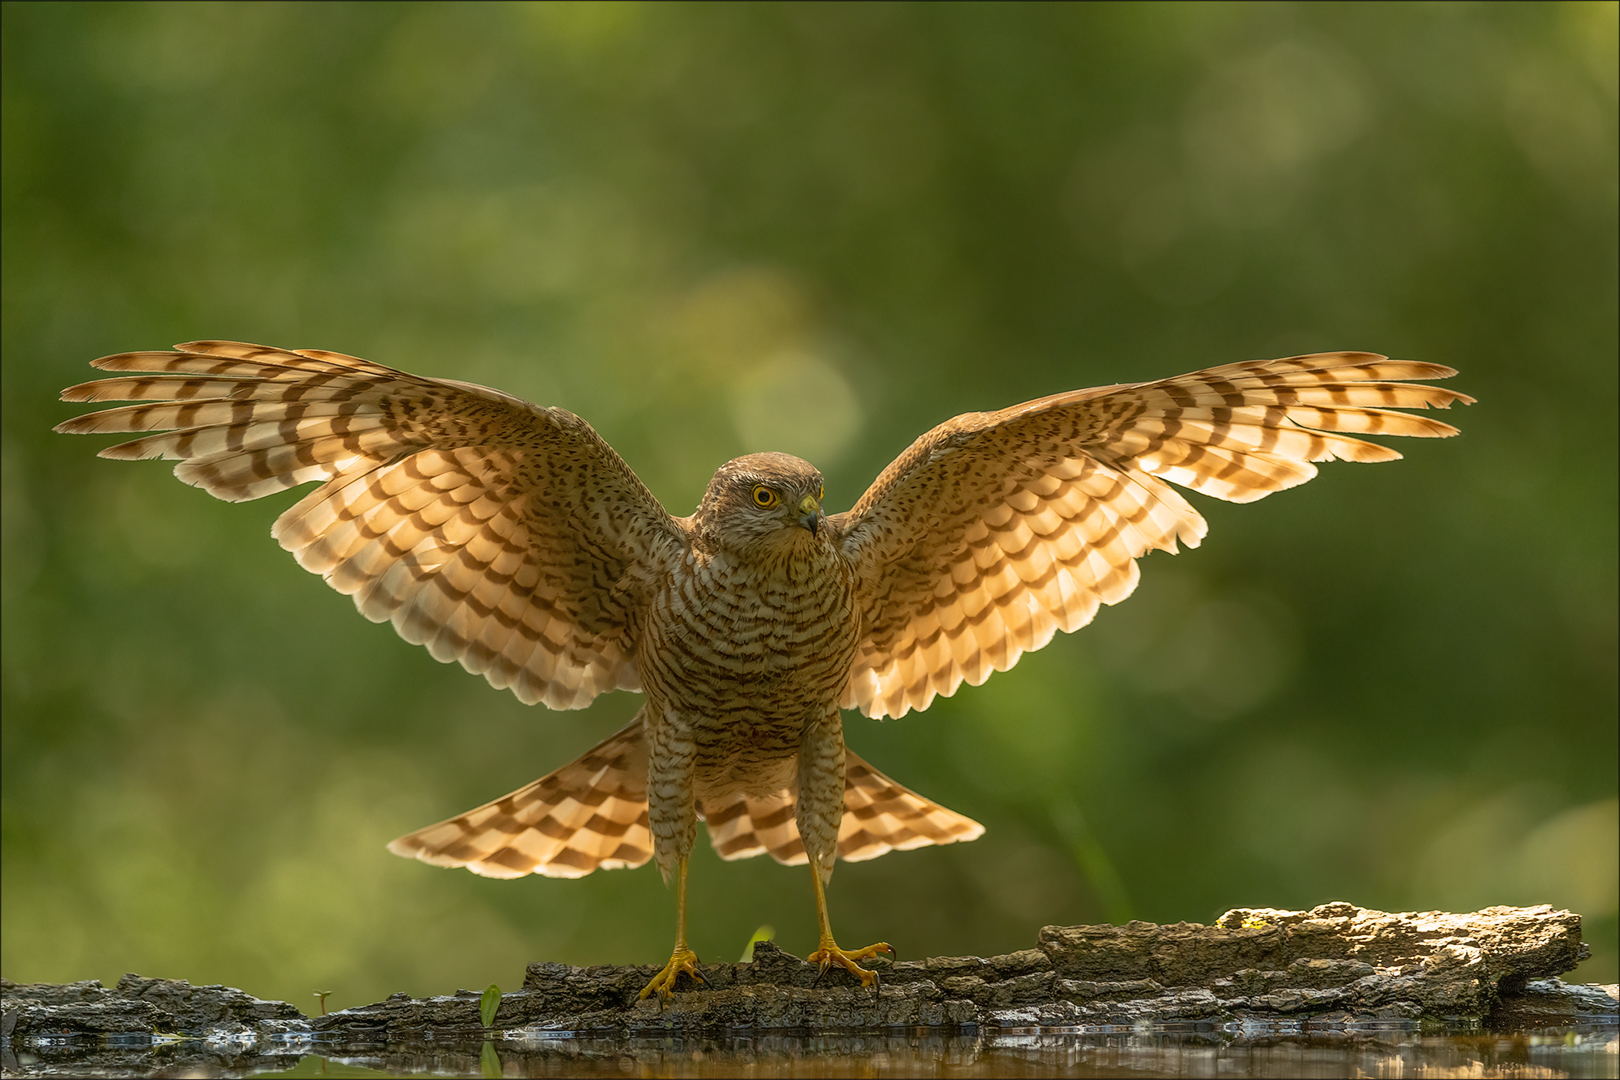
512	539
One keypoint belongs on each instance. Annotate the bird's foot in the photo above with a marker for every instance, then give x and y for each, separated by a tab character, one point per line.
830	954
663	984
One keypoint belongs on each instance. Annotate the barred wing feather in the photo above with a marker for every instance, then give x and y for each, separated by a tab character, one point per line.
996	530
499	534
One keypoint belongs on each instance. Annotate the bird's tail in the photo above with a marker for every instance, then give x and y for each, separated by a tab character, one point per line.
588	815
592	815
879	816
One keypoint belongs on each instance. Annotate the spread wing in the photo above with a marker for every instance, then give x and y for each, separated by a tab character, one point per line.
995	530
500	534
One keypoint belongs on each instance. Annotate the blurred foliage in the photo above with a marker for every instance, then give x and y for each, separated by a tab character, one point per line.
713	229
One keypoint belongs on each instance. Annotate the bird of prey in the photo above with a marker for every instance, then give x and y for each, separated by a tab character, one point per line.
511	538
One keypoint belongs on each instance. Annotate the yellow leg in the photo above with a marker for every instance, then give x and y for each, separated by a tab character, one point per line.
829	953
682	959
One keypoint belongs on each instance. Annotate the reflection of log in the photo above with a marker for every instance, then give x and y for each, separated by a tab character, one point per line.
1334	964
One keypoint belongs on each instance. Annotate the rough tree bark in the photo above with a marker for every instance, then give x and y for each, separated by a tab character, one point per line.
1334	964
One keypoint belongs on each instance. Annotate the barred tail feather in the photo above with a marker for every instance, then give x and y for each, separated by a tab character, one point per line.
592	815
588	815
879	816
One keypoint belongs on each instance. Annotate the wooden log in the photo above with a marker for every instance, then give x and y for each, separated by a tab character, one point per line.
1332	966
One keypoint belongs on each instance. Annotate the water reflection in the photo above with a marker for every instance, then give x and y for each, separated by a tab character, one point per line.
1188	1051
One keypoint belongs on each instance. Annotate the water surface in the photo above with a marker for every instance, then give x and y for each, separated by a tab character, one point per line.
1180	1051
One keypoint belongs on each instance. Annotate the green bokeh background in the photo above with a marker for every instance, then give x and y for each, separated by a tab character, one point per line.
714	229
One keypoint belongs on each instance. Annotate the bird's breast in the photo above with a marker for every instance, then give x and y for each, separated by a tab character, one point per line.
751	646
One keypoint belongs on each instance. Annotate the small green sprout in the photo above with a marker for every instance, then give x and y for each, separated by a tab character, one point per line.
489	1004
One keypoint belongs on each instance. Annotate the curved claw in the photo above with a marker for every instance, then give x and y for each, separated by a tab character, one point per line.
830	953
663	984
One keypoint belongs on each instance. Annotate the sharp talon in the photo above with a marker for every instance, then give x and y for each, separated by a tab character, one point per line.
663	984
830	953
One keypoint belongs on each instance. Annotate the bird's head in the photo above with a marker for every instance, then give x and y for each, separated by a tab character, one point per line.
770	500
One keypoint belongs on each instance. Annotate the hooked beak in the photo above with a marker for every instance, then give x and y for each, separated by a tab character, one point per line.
810	514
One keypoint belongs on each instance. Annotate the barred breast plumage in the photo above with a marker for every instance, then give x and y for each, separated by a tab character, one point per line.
748	652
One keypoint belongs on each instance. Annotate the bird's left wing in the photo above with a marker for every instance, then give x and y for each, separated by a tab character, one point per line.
995	530
503	535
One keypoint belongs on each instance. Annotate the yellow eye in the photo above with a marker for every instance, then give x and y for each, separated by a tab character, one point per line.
821	492
764	497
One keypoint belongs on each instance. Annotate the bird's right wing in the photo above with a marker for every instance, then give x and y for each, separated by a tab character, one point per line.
995	530
500	534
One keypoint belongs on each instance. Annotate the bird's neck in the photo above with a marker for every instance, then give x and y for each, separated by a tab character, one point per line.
796	560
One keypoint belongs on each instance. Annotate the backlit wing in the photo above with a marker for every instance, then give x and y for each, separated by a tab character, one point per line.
995	530
500	534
